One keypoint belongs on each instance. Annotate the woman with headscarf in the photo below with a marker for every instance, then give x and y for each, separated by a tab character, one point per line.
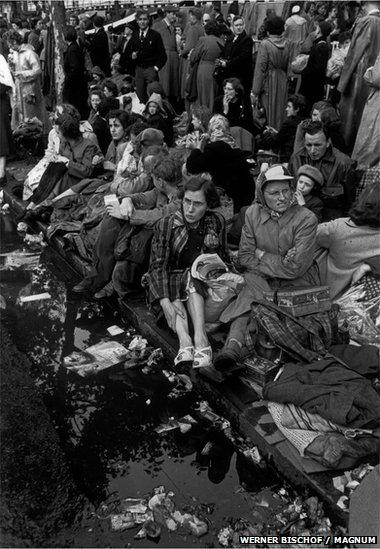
270	81
206	52
226	163
276	251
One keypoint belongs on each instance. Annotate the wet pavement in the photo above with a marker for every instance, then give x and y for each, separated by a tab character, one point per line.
107	423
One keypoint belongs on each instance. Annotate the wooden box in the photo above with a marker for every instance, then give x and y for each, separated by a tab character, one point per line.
260	370
302	301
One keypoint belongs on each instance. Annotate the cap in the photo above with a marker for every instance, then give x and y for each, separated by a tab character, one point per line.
314	174
277	173
296	9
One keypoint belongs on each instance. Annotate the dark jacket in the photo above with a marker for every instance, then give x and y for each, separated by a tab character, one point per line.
314	75
338	174
283	141
150	51
239	112
228	169
126	63
239	58
75	85
99	51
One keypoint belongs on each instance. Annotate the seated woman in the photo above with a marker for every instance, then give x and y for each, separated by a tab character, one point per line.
110	89
179	239
156	87
276	250
117	121
140	210
76	160
350	241
98	119
34	176
218	156
308	189
200	119
234	105
282	141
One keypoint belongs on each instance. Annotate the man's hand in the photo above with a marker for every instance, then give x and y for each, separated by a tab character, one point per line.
97	159
290	254
170	311
114	210
259	253
127	208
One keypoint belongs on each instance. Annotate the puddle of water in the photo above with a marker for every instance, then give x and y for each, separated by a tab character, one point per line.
107	425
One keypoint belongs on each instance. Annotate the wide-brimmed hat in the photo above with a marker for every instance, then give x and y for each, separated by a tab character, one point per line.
277	173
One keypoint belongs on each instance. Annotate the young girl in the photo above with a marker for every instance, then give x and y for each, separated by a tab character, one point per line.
156	118
309	183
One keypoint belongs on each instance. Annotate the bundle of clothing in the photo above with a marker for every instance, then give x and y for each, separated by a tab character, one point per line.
323	402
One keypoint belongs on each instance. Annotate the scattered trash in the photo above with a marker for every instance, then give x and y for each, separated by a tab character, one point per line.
138	344
343	503
36	297
22	227
115	330
219	422
35	241
155	513
253	454
225	536
184	424
340	483
96	358
20	259
5	208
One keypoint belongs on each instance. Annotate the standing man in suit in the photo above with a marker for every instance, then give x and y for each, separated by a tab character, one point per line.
169	74
126	63
238	55
99	48
149	54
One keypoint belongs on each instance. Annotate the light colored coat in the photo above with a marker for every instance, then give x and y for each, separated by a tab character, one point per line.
348	246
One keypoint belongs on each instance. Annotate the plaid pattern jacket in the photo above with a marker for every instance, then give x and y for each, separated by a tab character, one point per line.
165	278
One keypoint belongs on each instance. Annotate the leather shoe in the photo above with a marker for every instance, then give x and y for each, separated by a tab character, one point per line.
82	288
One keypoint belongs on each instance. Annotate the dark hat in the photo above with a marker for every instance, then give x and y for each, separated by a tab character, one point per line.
314	174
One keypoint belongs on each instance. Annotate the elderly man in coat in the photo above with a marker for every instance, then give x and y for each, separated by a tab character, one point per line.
169	74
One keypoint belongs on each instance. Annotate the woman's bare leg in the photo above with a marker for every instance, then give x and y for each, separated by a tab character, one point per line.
196	308
182	326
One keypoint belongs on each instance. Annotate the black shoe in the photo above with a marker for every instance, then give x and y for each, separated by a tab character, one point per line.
227	360
82	288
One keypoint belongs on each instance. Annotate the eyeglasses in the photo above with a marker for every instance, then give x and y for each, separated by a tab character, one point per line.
277	194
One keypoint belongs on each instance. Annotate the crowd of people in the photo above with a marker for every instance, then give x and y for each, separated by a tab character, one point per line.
188	136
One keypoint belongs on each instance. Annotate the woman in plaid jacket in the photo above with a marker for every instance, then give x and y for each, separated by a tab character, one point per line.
179	239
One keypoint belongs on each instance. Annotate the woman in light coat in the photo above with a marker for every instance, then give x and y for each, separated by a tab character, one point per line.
28	101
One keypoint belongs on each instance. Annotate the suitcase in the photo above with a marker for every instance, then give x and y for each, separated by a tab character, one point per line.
260	370
302	301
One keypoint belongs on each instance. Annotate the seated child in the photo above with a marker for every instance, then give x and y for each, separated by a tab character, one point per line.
156	118
309	183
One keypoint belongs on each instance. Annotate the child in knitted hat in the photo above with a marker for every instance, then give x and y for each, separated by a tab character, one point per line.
308	189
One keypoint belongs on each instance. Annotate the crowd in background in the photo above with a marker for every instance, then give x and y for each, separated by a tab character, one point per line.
187	135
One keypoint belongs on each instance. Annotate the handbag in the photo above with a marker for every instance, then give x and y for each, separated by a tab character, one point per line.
299	64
